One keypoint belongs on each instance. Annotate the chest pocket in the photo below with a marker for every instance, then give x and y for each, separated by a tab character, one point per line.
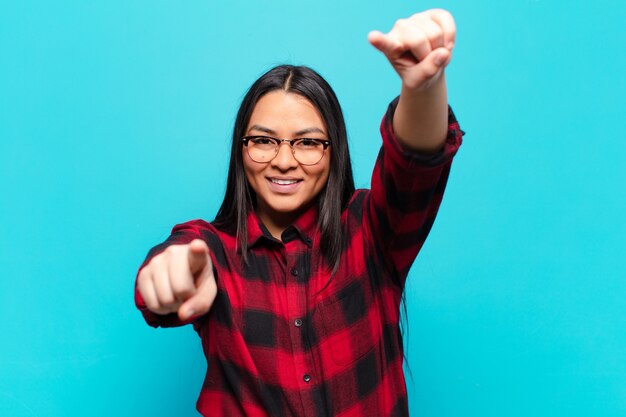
351	322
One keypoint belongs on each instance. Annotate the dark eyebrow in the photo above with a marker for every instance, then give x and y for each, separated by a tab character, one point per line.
262	129
297	134
310	130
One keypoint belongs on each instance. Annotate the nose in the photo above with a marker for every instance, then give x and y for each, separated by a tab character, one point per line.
284	159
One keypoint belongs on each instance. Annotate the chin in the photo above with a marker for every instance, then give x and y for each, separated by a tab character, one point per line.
288	207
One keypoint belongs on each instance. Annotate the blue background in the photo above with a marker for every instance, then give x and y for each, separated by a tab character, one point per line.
115	118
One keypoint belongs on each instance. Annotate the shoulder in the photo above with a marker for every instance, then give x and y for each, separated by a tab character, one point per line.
354	209
216	239
193	229
359	195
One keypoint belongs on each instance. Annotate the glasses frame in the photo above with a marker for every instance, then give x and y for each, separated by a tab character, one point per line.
291	142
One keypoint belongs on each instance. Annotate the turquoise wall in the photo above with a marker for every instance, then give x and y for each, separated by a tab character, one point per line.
115	118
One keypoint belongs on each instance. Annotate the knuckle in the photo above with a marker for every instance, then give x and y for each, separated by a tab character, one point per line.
144	276
401	23
182	290
153	305
156	263
176	284
445	13
439	11
162	310
420	36
167	300
144	292
169	251
437	36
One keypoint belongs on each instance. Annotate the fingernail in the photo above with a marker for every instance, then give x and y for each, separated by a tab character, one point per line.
190	313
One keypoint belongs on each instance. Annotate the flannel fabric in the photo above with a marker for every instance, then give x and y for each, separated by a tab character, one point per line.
283	337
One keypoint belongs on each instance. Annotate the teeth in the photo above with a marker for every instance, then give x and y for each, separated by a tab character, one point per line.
283	182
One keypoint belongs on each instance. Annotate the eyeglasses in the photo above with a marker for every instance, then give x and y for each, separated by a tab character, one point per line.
306	151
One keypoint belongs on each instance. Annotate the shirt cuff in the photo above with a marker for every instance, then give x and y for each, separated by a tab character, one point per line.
410	159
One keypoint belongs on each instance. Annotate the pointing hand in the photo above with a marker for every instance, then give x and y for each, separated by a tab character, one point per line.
180	279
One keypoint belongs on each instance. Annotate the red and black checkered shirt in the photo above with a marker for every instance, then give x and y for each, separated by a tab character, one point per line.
284	339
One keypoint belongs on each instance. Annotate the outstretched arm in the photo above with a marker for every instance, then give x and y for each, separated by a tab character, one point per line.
176	284
419	48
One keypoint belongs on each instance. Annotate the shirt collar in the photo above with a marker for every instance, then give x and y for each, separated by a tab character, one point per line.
304	228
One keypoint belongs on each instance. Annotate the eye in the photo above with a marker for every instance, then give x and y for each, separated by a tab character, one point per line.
262	140
308	143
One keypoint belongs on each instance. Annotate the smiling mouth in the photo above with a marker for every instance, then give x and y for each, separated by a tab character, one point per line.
283	182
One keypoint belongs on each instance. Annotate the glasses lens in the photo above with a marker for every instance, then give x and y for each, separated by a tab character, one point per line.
305	151
308	151
262	149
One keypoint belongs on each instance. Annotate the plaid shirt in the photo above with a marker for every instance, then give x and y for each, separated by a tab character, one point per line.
283	338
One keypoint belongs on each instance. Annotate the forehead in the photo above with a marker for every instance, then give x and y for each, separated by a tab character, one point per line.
285	113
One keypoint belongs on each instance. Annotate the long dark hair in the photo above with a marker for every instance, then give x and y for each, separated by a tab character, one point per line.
239	198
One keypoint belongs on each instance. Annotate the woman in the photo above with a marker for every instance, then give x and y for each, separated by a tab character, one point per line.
295	287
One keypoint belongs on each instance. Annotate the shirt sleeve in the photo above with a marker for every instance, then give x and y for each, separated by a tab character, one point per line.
406	192
181	234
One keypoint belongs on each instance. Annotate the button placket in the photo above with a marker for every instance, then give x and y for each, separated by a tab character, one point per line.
296	272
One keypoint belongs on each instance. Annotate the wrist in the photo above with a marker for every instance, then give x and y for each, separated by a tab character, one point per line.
430	89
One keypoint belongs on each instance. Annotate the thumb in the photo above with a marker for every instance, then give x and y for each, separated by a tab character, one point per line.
430	66
197	255
202	300
384	43
440	58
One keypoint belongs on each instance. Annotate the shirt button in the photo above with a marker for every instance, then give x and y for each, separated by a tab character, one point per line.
306	377
294	272
297	322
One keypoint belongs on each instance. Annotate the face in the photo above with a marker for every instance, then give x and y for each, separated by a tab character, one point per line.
284	187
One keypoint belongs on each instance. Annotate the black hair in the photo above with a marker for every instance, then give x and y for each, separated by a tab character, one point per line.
239	198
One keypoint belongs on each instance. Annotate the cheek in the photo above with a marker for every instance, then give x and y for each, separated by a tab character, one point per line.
321	175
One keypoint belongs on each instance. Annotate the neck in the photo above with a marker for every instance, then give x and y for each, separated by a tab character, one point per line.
277	222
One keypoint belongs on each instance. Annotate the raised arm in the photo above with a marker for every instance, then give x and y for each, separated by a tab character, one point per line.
419	48
420	138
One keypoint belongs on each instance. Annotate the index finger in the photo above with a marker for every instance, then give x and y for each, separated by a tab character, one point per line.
197	255
444	19
385	44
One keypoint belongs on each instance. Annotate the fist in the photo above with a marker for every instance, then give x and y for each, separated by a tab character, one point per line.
180	279
419	47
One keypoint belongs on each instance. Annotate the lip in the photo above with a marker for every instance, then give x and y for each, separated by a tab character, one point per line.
283	188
